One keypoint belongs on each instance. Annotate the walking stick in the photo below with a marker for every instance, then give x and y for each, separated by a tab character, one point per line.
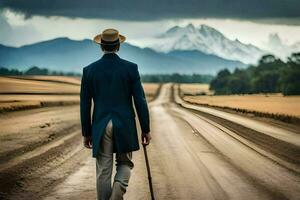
149	172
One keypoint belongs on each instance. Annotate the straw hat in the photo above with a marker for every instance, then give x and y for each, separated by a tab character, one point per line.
109	37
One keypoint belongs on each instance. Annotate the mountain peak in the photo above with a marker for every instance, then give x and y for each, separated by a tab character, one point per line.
60	39
210	31
172	30
206	27
275	39
178	30
190	26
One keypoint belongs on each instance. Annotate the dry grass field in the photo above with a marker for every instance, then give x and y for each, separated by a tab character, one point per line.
23	92
18	85
194	89
151	90
276	104
62	79
273	104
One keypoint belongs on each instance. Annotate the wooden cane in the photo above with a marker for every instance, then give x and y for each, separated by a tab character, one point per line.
149	172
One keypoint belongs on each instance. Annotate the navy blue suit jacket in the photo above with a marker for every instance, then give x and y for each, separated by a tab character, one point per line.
112	84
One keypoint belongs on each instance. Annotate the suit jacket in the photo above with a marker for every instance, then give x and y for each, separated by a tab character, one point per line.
113	83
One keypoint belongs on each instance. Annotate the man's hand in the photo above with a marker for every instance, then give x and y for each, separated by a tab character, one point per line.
146	137
87	142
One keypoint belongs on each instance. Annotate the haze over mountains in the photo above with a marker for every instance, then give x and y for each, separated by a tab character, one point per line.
186	50
279	48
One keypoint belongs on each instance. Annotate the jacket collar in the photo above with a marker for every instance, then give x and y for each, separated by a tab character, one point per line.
110	56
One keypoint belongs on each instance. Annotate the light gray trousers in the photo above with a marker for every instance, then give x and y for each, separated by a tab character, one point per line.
104	167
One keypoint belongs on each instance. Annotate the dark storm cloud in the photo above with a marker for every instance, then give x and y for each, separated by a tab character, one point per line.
160	9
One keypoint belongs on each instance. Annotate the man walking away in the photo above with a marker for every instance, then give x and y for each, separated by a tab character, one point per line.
112	83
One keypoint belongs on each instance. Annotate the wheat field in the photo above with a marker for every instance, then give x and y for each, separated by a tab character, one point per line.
23	92
264	103
195	88
273	104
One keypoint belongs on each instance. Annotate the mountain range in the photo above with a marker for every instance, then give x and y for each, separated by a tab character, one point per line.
187	49
64	54
207	40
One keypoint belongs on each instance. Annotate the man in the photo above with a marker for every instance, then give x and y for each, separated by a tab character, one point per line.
112	83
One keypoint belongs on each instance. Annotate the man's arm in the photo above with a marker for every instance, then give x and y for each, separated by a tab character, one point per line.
141	106
85	110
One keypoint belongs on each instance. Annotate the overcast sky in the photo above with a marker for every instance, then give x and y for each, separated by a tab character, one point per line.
24	22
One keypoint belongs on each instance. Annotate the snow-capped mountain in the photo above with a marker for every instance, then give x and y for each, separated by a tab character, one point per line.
208	40
277	47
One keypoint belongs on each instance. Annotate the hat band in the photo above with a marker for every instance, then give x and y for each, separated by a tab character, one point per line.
117	41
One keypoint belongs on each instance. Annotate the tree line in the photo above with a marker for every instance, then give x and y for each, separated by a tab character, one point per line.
176	78
35	71
270	75
153	78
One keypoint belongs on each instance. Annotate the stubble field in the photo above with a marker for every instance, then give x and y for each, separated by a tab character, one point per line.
263	103
24	92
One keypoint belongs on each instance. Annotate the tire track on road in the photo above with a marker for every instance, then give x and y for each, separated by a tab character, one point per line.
262	170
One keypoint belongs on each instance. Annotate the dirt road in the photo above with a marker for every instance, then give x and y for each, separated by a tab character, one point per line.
193	155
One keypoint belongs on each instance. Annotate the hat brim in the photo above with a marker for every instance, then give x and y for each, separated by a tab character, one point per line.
97	39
